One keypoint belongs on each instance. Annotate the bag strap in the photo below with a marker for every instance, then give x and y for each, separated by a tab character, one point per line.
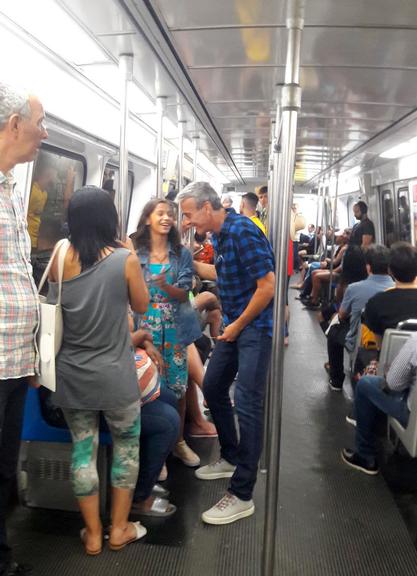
61	257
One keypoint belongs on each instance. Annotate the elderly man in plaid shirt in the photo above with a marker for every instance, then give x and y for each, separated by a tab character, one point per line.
244	269
21	133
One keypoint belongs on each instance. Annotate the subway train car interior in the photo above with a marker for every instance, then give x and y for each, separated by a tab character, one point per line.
315	100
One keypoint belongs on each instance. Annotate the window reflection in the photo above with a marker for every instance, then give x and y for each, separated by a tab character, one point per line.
389	217
404	215
55	177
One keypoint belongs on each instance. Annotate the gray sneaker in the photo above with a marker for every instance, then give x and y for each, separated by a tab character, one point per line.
219	469
229	509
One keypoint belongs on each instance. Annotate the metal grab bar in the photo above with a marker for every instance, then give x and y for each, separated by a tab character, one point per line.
126	70
283	182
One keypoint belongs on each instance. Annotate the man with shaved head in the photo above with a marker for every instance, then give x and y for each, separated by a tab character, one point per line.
22	130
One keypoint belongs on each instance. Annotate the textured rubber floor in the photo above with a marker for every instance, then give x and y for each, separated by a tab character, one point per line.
333	520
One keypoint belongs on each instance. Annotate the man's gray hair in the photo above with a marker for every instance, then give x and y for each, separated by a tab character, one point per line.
12	101
201	192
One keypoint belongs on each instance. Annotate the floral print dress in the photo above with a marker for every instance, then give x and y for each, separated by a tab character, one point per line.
159	320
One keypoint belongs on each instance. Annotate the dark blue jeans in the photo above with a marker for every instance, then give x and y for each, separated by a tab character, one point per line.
249	356
12	402
160	424
370	398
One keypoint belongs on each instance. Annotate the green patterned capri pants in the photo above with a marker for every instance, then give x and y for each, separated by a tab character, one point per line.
124	425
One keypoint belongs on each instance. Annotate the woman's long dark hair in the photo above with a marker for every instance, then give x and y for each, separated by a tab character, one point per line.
93	224
142	237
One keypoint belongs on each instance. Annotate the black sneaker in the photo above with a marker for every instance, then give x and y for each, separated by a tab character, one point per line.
335	386
352	459
312	306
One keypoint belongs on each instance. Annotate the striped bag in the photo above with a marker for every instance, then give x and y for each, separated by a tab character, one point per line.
148	377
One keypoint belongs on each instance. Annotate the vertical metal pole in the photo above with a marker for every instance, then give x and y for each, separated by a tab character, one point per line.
317	221
160	103
291	103
180	176
272	196
125	69
196	141
333	234
271	227
181	123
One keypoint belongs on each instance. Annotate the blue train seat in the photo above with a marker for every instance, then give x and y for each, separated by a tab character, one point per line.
36	428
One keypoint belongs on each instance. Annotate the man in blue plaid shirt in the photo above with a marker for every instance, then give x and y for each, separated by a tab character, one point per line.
244	270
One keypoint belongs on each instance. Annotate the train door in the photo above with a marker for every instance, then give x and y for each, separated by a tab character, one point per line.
388	214
396	212
413	198
402	197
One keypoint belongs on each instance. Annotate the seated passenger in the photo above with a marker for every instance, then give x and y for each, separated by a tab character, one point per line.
344	334
321	277
198	426
310	242
305	283
375	394
160	424
168	271
208	307
386	309
203	249
95	368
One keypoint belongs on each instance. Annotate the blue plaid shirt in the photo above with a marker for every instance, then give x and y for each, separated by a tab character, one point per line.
243	255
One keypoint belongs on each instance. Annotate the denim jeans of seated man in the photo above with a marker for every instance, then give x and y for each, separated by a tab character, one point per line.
335	350
250	356
370	398
308	279
160	424
12	402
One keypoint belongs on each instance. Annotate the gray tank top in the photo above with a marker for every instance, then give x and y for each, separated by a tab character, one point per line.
95	367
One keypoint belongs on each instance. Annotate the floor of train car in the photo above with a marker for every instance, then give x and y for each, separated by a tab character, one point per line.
333	520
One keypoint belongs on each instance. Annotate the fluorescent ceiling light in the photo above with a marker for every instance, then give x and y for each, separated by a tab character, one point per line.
403	149
51	25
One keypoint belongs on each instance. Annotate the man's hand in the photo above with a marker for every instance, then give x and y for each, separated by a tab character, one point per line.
231	332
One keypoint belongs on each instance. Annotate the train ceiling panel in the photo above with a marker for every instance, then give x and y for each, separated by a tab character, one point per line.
220	62
220	13
358	70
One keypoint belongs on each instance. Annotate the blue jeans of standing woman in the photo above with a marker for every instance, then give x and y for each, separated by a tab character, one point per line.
249	355
370	399
160	424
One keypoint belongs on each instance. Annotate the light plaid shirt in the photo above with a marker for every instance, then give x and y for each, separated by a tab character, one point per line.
403	369
19	309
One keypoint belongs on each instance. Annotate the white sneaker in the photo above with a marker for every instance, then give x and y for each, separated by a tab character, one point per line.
219	469
229	509
186	455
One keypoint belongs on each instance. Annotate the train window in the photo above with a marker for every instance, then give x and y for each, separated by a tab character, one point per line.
403	206
111	181
388	217
55	176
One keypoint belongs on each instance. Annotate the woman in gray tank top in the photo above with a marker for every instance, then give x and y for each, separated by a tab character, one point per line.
95	367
